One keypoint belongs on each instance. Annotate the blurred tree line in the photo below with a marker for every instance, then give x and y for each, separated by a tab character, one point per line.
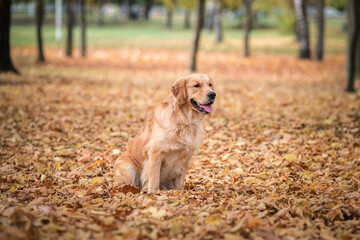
293	16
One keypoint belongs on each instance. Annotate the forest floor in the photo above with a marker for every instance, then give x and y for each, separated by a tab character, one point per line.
280	160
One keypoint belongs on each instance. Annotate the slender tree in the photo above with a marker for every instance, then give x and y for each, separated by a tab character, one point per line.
101	13
198	27
83	27
353	42
39	24
320	30
303	28
169	18
129	4
148	6
218	22
169	6
5	58
70	26
187	6
187	16
247	26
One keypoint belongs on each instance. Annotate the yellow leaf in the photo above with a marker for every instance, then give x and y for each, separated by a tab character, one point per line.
58	166
213	219
96	181
336	146
13	188
98	163
290	157
251	180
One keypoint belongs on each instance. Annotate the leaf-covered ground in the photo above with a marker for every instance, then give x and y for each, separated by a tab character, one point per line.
281	158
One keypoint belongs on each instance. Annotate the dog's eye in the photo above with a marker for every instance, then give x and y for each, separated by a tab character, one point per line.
210	85
197	85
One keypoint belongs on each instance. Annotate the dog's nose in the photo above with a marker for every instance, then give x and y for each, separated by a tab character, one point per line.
211	95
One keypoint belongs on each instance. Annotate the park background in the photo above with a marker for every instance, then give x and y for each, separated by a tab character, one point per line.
281	156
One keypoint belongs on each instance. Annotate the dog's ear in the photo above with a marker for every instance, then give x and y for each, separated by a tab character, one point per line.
179	90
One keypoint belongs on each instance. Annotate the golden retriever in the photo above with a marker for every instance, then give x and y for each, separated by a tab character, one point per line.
159	156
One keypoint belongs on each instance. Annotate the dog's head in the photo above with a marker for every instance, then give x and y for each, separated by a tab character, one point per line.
195	91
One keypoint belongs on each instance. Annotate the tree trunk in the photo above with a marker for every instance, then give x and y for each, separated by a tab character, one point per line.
39	24
217	22
353	39
302	24
148	5
169	17
297	33
83	27
320	30
187	15
101	13
70	25
5	58
357	53
247	26
198	27
129	4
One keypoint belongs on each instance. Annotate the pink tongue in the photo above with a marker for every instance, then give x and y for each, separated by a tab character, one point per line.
207	108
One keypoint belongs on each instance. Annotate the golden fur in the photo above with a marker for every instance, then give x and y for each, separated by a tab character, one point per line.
159	156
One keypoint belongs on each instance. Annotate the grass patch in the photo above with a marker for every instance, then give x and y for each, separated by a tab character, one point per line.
153	34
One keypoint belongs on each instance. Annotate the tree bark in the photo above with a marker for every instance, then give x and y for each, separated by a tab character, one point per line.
39	24
247	26
198	27
101	13
169	17
320	30
357	53
187	16
5	58
83	27
302	24
217	22
353	39
148	5
129	4
70	25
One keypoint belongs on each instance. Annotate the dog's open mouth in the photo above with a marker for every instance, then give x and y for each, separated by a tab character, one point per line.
204	108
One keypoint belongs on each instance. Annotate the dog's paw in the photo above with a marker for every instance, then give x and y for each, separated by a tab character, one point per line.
153	191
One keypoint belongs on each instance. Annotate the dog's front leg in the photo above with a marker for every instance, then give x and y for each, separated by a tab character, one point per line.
153	171
180	180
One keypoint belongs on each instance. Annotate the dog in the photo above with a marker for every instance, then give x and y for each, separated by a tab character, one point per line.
159	156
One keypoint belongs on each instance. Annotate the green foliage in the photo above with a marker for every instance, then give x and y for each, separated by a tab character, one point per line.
286	18
187	4
168	4
265	6
338	4
231	4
